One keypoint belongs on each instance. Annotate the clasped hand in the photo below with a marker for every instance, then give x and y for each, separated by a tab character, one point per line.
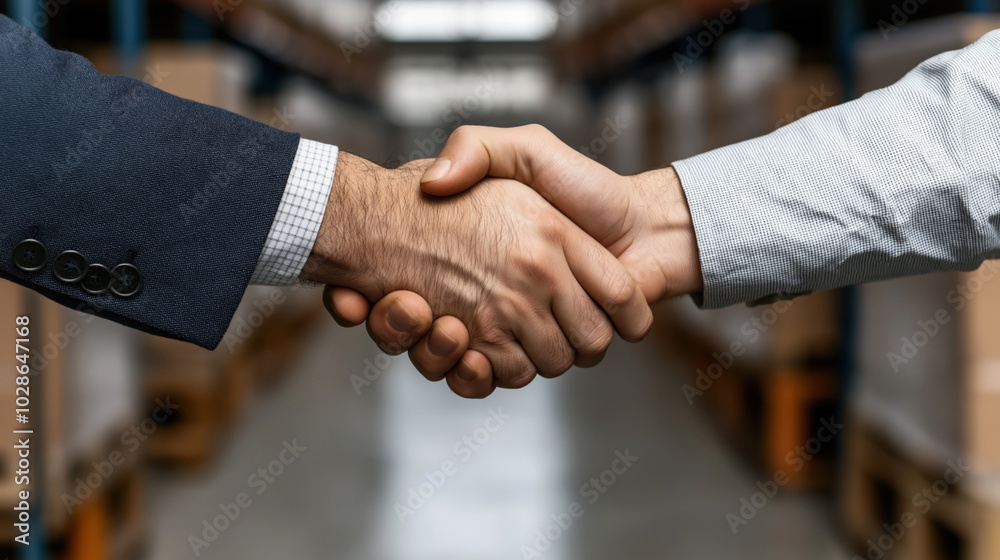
520	285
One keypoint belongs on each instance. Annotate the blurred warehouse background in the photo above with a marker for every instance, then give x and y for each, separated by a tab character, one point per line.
852	424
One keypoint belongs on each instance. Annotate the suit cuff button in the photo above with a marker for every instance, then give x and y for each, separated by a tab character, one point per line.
126	281
70	266
30	255
97	280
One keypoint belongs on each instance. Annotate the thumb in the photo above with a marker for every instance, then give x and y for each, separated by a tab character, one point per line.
529	154
464	161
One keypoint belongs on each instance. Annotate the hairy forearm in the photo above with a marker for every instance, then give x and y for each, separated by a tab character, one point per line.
339	255
380	233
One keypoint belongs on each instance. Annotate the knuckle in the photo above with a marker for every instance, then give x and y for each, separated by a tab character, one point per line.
536	267
551	225
559	354
596	340
621	290
463	133
561	364
489	333
537	130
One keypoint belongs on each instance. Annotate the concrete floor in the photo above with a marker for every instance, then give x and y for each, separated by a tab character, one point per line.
348	493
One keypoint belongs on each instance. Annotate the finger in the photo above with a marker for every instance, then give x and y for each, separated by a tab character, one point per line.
512	368
440	350
610	285
584	324
398	321
545	344
472	378
348	308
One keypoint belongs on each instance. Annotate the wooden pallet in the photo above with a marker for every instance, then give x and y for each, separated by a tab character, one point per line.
893	507
767	412
772	416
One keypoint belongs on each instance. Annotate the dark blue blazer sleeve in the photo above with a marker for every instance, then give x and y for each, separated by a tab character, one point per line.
124	173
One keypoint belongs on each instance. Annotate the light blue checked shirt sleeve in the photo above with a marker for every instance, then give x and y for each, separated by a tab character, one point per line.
300	214
903	181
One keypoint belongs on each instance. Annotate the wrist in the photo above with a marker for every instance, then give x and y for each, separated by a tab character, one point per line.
674	241
355	213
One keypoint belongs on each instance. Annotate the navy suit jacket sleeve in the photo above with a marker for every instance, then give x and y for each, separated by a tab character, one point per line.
124	173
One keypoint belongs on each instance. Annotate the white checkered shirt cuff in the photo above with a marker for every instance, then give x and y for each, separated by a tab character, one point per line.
299	216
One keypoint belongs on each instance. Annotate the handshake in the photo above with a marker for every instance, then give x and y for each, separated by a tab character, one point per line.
510	256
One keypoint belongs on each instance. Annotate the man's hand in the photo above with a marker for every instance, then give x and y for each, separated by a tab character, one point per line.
499	259
644	220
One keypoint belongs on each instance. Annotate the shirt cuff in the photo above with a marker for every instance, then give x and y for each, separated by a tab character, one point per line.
751	239
300	214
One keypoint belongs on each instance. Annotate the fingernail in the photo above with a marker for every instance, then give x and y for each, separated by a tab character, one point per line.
440	344
400	319
438	170
465	373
